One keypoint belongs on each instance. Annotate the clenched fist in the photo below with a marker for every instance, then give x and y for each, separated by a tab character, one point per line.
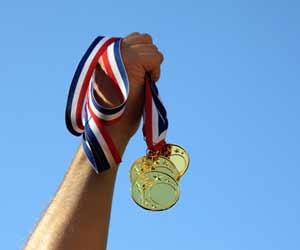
139	55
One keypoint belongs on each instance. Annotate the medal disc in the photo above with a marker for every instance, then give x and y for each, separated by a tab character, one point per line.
155	191
141	165
160	164
164	165
178	156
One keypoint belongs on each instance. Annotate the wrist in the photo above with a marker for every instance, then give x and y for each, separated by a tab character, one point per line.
119	138
119	142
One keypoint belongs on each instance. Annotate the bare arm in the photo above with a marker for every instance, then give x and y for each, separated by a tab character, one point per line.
78	216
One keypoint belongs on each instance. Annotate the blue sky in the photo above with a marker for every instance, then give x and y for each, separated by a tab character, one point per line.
230	83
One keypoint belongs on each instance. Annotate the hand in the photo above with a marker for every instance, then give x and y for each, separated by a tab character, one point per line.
139	56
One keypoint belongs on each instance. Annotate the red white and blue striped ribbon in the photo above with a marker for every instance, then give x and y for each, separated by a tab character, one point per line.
85	116
155	116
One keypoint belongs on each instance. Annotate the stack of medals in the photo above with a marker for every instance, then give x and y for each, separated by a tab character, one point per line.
155	177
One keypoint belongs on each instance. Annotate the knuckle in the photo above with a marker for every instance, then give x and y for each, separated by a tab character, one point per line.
134	33
147	37
154	47
161	56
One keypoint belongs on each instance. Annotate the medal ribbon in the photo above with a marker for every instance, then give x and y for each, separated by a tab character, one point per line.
155	117
84	115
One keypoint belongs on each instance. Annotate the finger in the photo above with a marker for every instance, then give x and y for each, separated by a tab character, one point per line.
151	61
155	74
130	38
144	48
133	34
138	39
146	38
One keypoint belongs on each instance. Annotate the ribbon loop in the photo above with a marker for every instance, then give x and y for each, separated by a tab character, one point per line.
85	116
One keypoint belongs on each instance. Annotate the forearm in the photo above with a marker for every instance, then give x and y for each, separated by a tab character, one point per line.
78	216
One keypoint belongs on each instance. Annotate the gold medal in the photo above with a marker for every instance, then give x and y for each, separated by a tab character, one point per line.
155	191
178	156
140	166
154	183
164	165
160	164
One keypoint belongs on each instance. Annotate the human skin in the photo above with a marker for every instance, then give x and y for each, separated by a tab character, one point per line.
78	216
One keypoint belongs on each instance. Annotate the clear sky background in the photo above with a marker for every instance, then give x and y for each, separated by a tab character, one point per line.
230	83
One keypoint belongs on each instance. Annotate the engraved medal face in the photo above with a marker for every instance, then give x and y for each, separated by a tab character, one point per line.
160	164
164	165
178	156
140	166
155	191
